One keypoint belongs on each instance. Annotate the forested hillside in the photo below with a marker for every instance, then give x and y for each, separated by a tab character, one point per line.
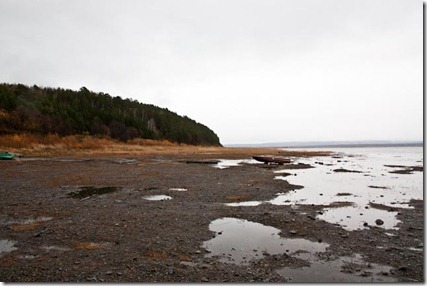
64	112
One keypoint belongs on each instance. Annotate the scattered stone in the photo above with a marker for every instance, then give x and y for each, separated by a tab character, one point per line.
108	272
204	279
341	170
293	232
379	222
366	273
403	268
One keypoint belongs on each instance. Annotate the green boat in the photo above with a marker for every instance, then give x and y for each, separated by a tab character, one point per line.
6	156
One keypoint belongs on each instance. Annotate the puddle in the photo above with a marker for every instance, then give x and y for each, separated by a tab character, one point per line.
157	198
224	164
344	269
85	192
354	218
55	248
126	161
239	241
7	246
28	256
245	204
26	221
416	249
178	189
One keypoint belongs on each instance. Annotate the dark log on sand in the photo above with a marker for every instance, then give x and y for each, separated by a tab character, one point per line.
272	159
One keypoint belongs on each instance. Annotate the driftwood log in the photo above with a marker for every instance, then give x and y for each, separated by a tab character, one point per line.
272	159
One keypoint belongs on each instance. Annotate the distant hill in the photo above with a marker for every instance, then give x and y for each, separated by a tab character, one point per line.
25	109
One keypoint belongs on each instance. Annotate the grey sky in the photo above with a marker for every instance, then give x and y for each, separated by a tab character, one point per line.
252	70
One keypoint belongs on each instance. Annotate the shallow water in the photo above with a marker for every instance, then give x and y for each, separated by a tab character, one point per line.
356	217
372	183
224	164
7	246
239	241
85	192
25	221
157	198
178	189
344	269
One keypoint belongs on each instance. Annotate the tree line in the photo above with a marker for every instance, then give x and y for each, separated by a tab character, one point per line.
67	112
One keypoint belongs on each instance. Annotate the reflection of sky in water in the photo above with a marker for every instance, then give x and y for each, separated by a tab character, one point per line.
224	164
322	185
157	198
6	246
320	271
238	241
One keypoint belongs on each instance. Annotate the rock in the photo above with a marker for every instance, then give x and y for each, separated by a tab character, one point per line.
293	232
366	273
379	222
403	268
204	279
108	272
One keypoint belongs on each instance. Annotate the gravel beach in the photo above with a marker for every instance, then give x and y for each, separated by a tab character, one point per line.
91	219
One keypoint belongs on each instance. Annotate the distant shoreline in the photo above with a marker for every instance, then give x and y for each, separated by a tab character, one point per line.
326	145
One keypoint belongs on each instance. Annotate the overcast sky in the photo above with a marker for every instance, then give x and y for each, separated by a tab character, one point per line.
252	70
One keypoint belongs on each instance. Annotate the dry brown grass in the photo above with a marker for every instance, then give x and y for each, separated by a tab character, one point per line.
157	255
89	245
84	145
238	198
26	227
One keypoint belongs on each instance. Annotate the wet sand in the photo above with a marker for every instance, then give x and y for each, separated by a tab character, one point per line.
88	219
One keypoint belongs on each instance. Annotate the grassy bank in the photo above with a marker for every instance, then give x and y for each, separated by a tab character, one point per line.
53	145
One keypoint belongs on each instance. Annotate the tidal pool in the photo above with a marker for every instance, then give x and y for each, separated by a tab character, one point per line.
157	198
342	270
353	218
178	189
239	241
7	246
366	180
224	164
85	192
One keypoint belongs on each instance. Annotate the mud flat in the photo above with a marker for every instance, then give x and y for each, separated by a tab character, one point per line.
80	219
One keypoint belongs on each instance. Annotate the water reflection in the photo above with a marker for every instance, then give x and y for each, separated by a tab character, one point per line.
157	198
374	185
344	269
224	164
239	241
7	246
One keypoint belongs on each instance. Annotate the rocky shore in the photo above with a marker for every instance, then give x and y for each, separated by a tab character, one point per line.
79	219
